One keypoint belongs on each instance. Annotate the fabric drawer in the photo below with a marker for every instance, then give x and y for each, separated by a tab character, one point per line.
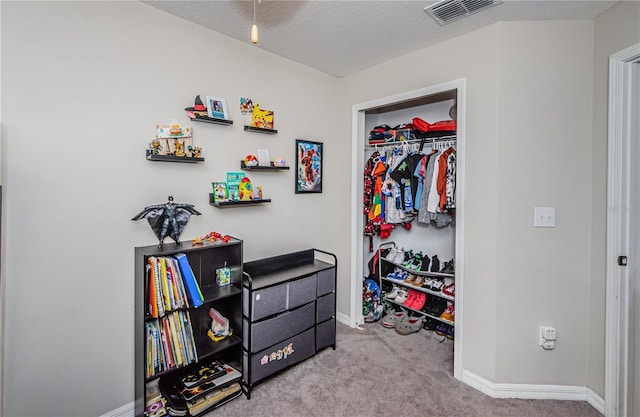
302	291
326	307
326	281
283	326
265	302
279	356
326	334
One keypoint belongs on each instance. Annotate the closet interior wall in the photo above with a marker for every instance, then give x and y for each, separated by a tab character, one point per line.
424	237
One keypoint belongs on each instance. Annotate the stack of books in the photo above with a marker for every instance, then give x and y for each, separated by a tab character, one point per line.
202	388
170	343
171	285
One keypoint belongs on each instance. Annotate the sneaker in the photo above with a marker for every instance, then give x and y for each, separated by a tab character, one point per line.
425	263
449	290
409	325
430	324
416	262
435	264
411	298
445	330
391	255
418	281
392	318
408	257
449	313
427	282
399	256
448	267
420	301
410	279
393	293
402	297
436	285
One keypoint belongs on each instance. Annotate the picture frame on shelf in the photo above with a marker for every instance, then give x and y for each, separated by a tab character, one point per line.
217	108
309	158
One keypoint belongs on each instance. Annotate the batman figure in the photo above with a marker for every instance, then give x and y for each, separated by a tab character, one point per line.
167	219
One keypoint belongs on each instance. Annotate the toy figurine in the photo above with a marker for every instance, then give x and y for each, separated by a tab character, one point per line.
195	151
167	219
245	189
155	146
178	145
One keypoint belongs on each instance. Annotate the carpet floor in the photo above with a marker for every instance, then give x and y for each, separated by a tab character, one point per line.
377	372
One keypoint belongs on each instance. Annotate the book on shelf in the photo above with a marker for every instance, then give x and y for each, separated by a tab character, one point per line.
191	284
212	398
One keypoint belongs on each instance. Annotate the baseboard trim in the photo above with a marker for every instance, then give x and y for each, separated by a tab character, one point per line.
535	392
127	410
344	319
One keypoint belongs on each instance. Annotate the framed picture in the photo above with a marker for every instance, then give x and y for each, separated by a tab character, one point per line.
217	108
308	166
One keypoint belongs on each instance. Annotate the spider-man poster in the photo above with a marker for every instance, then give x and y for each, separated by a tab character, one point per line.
308	166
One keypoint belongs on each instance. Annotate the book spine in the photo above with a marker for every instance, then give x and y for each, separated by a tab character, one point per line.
191	285
165	284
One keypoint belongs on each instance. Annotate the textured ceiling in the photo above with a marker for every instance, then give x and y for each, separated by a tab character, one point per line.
342	37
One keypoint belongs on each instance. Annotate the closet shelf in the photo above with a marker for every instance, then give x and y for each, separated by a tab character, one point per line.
440	319
442	138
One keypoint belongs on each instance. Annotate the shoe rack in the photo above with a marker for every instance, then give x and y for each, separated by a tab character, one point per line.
421	287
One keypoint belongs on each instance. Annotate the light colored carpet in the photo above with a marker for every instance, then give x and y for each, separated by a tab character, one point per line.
377	372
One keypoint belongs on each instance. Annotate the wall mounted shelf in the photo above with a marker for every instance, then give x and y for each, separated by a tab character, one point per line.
260	130
172	158
237	203
214	120
271	167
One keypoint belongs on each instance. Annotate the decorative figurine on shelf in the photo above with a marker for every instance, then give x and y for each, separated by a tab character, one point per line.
250	161
178	146
167	219
198	109
175	128
262	118
195	151
280	162
245	189
156	147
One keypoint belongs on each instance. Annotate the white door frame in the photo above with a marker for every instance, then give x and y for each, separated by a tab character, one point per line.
618	211
357	226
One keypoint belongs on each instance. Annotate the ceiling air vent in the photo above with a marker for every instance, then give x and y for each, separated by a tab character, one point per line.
448	11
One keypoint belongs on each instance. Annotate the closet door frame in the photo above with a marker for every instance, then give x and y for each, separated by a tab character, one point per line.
356	318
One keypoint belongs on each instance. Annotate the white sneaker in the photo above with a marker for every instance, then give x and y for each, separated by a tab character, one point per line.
402	297
393	293
391	255
399	256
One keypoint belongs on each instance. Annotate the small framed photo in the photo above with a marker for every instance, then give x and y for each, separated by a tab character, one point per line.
217	108
309	157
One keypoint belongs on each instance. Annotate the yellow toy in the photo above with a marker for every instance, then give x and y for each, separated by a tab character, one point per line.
245	189
262	118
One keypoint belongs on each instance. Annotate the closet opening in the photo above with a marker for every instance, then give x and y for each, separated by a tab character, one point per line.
407	230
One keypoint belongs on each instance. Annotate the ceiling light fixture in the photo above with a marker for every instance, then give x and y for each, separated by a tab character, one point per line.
254	28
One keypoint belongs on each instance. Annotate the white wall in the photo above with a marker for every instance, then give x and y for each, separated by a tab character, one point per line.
544	159
614	30
83	86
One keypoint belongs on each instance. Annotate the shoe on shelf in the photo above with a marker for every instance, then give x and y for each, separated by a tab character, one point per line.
425	263
393	293
420	301
402	297
435	264
398	256
409	325
411	298
391	254
418	281
427	283
437	307
430	324
416	262
449	313
392	318
410	279
436	285
408	257
448	267
449	290
445	330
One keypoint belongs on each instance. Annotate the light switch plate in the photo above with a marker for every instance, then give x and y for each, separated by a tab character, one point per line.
544	217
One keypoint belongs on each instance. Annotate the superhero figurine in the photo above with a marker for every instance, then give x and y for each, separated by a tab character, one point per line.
167	219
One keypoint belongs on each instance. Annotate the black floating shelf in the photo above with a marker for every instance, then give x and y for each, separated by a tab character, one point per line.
237	203
173	158
271	167
260	129
213	120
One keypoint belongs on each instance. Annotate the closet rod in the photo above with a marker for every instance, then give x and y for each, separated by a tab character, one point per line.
420	141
